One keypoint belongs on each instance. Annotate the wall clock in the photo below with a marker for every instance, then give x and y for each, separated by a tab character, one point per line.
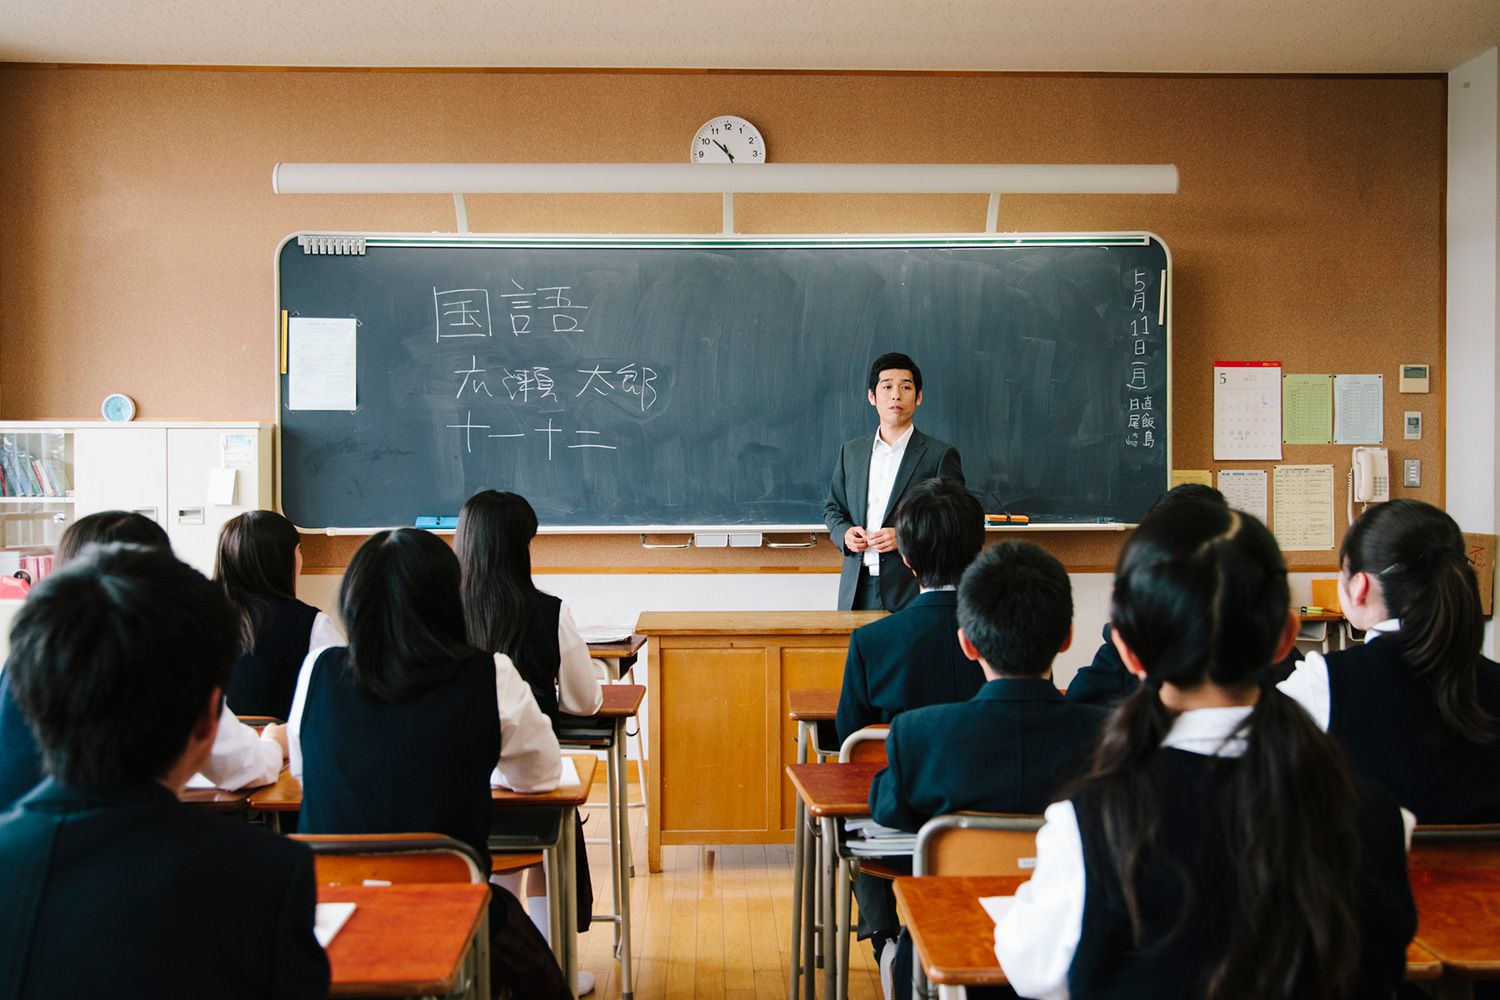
728	139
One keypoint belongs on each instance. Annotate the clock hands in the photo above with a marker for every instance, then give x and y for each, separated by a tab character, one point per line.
725	149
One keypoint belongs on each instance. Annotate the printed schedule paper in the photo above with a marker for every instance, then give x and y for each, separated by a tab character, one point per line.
321	364
1247	409
1358	409
1307	409
1244	489
1303	507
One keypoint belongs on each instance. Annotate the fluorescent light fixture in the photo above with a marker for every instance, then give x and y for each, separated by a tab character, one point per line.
688	178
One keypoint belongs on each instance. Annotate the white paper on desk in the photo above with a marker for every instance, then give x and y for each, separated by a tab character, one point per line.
996	906
606	633
1358	409
221	484
329	919
199	781
1303	508
1244	489
321	364
1247	409
569	776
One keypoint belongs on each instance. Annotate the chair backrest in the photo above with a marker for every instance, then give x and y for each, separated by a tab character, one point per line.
977	844
865	746
353	859
1462	845
257	721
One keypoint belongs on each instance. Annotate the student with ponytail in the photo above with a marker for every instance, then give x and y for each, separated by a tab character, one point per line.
1218	846
1416	708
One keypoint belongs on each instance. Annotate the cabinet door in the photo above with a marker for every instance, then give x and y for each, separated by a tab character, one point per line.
193	520
120	468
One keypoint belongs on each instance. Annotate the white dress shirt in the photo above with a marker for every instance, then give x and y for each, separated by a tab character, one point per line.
241	757
885	462
1037	935
530	760
578	688
1308	684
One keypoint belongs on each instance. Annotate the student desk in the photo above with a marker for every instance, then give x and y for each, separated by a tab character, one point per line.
621	702
831	792
718	718
410	940
954	938
620	656
1333	625
806	707
1458	918
558	846
555	840
217	799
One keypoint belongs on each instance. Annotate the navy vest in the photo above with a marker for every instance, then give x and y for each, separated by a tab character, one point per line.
416	766
1187	894
540	658
264	680
1385	718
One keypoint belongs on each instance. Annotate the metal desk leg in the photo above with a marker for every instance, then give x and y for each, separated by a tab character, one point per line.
621	860
842	927
570	901
798	873
830	903
552	864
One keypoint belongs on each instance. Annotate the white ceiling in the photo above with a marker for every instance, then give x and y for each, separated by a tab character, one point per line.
1212	36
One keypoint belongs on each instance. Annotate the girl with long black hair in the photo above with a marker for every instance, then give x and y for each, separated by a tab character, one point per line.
1218	846
399	731
1416	708
257	563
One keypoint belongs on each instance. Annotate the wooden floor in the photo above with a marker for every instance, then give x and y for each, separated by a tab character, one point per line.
715	922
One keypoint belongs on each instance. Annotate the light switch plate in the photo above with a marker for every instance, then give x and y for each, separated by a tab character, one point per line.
1411	472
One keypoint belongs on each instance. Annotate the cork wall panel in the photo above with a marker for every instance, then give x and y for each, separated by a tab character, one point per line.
137	234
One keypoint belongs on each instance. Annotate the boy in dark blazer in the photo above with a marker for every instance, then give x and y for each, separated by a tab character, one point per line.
880	469
112	886
912	658
1012	745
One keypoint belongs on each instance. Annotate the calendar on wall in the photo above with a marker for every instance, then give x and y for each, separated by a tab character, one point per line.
1247	409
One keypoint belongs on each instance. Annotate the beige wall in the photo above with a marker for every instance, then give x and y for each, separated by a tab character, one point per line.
137	223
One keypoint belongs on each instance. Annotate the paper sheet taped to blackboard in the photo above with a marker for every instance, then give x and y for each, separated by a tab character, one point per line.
321	364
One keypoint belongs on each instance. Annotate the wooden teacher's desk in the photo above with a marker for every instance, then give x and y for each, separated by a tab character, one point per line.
720	735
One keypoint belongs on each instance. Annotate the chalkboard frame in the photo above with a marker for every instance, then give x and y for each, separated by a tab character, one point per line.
344	243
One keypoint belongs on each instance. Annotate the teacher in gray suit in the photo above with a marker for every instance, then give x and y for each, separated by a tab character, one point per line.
867	484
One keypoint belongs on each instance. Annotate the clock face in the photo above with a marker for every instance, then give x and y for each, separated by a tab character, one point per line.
728	139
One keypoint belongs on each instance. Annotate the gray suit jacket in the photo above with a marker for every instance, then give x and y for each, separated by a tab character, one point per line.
848	496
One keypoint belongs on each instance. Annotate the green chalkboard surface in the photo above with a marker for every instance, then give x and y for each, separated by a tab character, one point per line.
637	383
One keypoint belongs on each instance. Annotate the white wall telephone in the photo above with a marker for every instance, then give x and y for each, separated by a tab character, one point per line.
1369	477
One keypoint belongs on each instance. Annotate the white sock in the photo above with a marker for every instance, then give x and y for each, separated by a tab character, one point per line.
887	956
511	883
536	906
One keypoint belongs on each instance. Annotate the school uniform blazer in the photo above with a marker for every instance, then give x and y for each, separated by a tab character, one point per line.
848	497
129	893
907	660
1104	681
1010	748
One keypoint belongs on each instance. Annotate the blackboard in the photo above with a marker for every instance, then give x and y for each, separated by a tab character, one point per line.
649	383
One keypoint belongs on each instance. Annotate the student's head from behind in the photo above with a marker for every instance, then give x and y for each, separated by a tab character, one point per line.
110	526
119	659
403	614
1187	491
493	543
1201	594
895	388
257	561
1406	559
1015	610
939	530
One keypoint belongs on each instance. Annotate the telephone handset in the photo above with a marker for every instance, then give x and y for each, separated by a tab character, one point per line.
1369	477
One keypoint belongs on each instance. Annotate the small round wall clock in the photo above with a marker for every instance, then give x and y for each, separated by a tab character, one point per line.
728	139
117	408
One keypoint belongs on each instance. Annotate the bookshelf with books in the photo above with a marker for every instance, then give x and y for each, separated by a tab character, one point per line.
36	496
